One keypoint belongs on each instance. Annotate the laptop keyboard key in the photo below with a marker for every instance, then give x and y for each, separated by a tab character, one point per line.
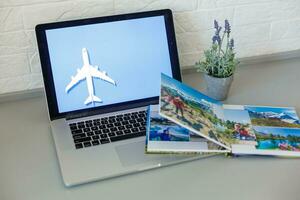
82	135
89	133
111	134
95	142
87	144
113	129
95	137
76	131
104	141
105	130
127	131
81	126
134	130
86	129
142	128
103	126
111	121
129	126
136	125
73	127
109	125
132	121
89	125
119	132
139	119
118	119
126	118
103	136
117	124
94	128
127	136
78	146
82	140
125	123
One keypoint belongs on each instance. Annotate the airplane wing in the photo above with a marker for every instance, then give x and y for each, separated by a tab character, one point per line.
74	80
95	72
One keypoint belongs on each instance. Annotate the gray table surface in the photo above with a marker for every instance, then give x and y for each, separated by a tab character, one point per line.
29	167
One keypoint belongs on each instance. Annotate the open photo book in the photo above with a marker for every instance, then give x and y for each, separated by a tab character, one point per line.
184	114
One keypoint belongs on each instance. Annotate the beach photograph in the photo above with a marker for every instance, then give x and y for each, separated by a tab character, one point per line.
271	138
188	107
273	116
238	126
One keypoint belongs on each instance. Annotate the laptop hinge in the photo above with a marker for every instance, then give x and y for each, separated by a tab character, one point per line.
70	116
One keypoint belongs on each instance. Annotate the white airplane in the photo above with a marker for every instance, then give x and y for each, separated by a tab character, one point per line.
88	72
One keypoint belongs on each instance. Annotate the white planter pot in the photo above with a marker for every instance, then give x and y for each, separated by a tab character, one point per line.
217	88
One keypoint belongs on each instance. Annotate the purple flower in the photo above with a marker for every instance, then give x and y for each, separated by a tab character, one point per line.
217	27
216	24
231	44
216	38
227	27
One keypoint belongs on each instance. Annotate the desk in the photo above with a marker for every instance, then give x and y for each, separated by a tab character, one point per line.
29	167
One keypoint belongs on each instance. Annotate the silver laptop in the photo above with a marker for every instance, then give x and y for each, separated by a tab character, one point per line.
100	75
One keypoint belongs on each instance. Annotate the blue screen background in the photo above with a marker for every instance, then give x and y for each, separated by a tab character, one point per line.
132	52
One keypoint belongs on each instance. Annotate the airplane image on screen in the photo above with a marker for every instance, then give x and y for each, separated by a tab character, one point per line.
89	72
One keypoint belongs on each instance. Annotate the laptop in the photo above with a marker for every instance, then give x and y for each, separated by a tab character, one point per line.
100	74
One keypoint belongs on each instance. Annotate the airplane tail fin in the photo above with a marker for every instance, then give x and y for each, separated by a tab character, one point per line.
91	99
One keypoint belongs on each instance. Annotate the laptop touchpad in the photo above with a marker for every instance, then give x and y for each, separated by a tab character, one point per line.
134	153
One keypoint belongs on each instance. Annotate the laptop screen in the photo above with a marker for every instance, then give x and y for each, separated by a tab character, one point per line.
108	63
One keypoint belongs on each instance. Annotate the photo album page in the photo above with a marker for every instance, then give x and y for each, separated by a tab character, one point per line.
240	129
165	136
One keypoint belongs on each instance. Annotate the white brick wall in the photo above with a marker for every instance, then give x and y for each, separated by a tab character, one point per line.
259	27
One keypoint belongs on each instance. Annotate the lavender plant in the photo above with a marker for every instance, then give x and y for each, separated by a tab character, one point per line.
219	61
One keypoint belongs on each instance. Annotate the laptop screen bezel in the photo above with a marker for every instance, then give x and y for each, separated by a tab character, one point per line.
47	71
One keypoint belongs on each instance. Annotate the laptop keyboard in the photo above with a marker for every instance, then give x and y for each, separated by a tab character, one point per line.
108	129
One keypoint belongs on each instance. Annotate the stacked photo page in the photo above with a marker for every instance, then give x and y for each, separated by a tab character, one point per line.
187	121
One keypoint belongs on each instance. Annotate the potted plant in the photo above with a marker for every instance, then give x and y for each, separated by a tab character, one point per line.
219	63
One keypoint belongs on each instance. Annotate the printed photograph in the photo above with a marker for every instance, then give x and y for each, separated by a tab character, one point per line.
286	139
162	129
189	107
276	117
238	126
